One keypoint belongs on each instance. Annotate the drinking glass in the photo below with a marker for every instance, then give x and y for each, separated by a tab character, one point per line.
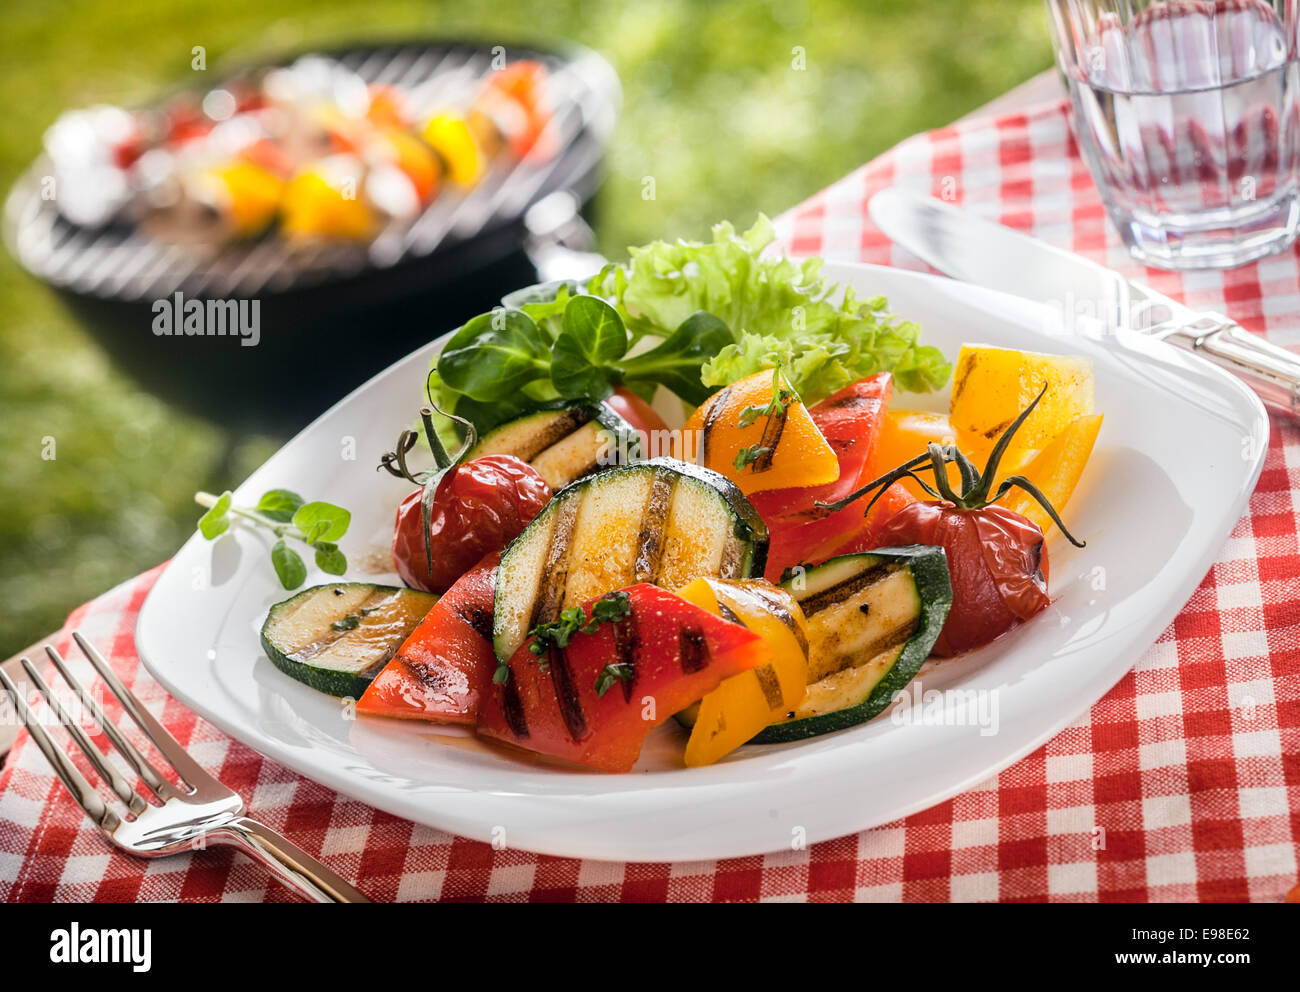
1185	112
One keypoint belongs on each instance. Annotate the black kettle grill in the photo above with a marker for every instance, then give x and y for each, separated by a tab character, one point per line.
333	316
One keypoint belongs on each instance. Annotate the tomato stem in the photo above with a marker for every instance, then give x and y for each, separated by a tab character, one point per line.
975	485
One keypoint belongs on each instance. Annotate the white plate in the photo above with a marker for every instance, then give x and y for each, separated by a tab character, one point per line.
1179	452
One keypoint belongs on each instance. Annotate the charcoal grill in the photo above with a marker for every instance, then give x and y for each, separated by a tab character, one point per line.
334	313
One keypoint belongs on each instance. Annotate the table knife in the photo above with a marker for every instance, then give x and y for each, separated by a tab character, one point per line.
978	251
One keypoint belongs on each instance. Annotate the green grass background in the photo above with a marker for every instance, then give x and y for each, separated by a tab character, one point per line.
712	110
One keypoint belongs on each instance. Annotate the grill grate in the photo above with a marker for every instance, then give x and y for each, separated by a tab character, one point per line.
123	263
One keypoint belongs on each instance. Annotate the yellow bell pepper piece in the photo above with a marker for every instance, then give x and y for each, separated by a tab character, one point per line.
744	704
778	447
452	139
1056	470
992	385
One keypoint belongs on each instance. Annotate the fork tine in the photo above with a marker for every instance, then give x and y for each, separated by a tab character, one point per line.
120	786
82	791
159	736
142	765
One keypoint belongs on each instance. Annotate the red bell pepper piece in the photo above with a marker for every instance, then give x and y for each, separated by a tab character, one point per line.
675	653
442	670
850	421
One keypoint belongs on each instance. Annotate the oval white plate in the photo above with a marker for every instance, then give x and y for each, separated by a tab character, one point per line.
1179	452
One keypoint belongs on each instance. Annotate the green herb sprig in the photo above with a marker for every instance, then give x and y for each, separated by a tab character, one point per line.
610	675
317	525
610	608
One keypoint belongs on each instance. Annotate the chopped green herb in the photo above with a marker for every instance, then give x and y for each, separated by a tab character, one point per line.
748	456
610	608
349	622
611	674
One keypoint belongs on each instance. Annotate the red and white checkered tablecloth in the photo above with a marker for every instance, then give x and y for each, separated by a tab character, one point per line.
1190	765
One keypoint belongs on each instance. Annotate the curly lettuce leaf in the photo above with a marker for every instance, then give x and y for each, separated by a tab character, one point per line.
779	311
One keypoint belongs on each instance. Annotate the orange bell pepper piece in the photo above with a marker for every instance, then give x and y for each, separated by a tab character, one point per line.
758	433
904	435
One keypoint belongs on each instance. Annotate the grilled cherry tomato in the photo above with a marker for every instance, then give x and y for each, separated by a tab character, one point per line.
997	562
997	559
636	411
480	506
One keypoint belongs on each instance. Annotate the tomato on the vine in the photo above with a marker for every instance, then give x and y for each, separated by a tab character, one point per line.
997	563
479	507
997	559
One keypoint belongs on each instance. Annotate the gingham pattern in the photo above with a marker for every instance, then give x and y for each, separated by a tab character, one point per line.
1183	783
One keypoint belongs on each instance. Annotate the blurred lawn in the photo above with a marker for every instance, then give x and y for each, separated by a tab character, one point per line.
712	110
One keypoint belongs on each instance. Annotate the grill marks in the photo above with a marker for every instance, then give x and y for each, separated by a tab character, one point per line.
330	636
771	438
627	641
557	430
711	422
477	618
770	684
838	593
512	708
774	604
733	558
554	575
566	694
654	525
692	650
892	639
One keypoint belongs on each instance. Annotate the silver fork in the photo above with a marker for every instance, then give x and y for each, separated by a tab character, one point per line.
208	813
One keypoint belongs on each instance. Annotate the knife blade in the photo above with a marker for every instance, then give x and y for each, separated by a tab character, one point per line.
983	253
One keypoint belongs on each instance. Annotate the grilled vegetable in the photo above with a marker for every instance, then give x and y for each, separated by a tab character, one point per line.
851	421
1056	470
441	672
479	506
324	201
758	433
594	700
564	443
992	385
336	637
997	558
452	138
746	703
660	521
872	619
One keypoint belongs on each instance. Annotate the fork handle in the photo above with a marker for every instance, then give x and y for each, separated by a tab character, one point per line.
286	861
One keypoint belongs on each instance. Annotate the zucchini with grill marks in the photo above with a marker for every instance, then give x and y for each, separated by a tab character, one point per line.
564	443
336	638
660	521
872	620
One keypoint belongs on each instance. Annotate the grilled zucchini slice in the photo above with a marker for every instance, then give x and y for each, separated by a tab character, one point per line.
660	521
564	443
336	638
872	620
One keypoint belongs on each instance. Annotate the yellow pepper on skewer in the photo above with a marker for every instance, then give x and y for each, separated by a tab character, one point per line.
450	136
